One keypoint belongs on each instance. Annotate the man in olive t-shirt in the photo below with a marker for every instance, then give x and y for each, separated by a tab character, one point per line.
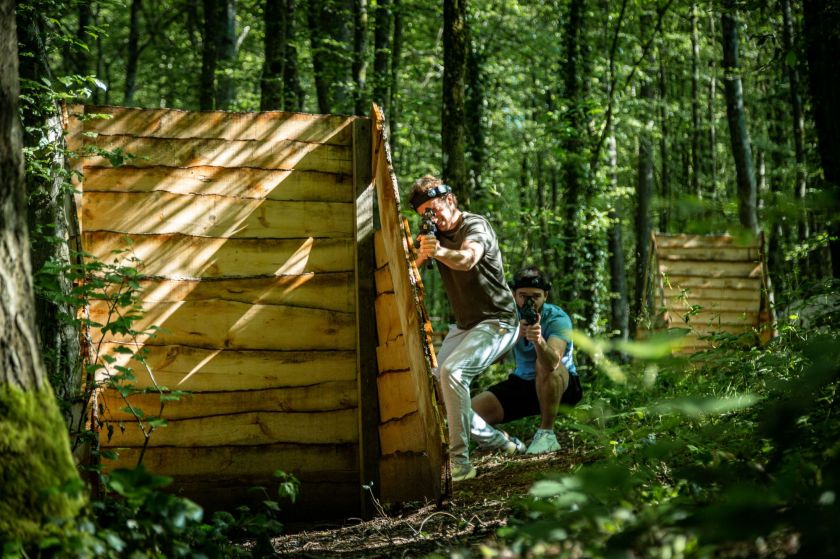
486	323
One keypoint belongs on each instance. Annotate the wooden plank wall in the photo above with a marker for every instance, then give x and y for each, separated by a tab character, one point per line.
708	284
244	227
412	436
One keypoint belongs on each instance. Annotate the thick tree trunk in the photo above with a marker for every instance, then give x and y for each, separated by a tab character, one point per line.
331	46
52	220
739	136
274	59
360	17
454	73
133	52
36	459
209	55
574	166
822	42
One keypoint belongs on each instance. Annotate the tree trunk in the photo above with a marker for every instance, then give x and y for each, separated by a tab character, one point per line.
293	94
474	117
209	55
665	173
644	184
360	54
695	105
133	55
454	73
331	47
396	53
619	310
271	81
36	460
735	115
822	43
382	55
52	220
572	145
711	112
228	53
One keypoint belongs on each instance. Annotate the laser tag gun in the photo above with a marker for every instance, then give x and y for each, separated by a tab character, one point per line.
428	228
528	312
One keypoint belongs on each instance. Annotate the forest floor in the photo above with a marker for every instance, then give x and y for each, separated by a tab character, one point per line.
465	522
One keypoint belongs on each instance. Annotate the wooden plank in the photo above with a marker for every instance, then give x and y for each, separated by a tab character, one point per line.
269	154
429	436
397	395
405	434
393	355
387	320
710	254
161	213
691	241
395	469
242	182
246	429
711	269
682	305
190	368
678	281
713	318
379	249
240	461
329	291
174	123
713	294
182	256
365	313
232	325
326	396
383	280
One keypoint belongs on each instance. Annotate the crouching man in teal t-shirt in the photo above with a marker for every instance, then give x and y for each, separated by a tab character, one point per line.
545	373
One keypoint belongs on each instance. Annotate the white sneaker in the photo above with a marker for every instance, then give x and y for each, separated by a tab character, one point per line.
462	472
512	445
544	441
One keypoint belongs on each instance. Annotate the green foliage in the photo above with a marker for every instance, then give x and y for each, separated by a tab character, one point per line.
732	447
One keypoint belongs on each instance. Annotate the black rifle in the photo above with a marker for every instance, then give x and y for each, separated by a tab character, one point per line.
529	311
428	228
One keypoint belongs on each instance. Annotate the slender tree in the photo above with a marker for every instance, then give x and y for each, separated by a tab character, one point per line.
454	72
360	19
271	81
209	54
382	35
293	93
133	52
36	463
736	117
695	104
228	52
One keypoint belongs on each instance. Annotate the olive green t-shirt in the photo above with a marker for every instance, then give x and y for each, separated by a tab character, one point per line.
481	293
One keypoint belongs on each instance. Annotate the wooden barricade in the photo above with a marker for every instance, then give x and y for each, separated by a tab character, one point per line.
253	237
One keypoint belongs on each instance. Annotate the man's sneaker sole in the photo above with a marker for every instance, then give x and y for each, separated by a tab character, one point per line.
463	474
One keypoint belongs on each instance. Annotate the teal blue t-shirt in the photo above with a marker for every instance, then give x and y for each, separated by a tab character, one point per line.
554	322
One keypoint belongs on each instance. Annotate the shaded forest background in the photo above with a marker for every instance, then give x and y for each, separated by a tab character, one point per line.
578	127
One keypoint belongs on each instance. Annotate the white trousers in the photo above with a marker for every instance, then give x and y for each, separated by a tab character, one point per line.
464	355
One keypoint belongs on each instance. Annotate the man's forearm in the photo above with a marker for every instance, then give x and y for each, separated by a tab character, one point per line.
462	260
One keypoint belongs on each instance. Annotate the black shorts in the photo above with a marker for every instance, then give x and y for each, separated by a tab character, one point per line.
519	396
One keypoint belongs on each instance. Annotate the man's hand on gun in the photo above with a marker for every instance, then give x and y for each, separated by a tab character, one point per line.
427	242
529	325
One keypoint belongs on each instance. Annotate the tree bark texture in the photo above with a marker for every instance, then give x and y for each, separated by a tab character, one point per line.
619	310
474	122
330	39
736	117
51	218
396	53
271	81
382	35
293	94
36	459
360	17
822	43
228	50
454	74
695	105
664	155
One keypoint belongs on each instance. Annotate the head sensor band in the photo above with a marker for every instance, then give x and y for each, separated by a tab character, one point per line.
423	196
531	281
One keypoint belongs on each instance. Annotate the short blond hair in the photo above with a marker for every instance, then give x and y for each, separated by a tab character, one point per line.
427	182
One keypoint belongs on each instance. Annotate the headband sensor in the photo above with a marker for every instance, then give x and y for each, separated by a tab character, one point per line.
531	281
423	196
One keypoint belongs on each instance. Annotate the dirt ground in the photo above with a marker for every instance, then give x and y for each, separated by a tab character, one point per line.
465	522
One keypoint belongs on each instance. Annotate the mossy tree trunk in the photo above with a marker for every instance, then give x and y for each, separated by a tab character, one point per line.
37	468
